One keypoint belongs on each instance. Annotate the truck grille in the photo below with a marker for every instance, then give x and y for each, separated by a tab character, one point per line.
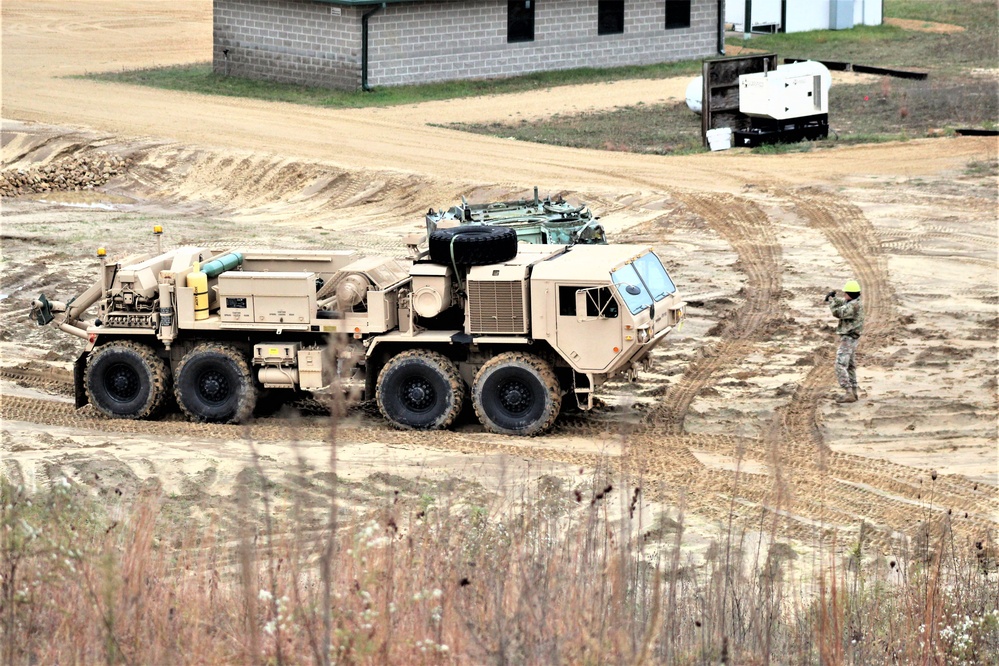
496	307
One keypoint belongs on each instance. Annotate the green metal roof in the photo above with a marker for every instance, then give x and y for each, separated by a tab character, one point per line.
366	3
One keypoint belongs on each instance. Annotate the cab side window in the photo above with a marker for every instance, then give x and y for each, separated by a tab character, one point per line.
599	302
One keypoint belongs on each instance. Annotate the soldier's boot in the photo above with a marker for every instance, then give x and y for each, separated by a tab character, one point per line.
849	395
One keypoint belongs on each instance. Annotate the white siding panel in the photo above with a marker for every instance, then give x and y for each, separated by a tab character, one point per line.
805	15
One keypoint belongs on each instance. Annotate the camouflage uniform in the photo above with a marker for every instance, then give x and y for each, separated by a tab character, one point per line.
851	324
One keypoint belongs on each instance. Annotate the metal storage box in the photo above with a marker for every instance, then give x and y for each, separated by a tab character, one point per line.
277	298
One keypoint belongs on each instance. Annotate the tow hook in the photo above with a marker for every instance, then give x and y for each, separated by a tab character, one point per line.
41	310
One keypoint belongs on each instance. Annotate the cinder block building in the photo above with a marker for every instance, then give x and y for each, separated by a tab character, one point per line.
356	43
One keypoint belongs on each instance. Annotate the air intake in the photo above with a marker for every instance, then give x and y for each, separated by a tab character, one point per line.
497	306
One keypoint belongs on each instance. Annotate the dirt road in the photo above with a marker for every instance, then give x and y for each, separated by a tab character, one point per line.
736	418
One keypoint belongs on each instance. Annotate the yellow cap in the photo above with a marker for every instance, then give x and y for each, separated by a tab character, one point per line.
852	286
101	252
157	229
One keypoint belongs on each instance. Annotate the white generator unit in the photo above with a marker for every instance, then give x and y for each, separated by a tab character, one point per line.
787	104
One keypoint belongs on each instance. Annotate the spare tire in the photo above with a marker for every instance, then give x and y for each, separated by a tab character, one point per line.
473	245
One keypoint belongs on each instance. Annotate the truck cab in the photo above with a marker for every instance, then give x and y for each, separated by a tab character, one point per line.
604	311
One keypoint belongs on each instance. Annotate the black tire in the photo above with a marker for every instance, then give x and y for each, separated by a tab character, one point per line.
516	394
127	380
474	245
420	390
213	384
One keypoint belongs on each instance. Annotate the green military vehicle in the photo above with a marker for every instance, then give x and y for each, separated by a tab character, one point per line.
542	221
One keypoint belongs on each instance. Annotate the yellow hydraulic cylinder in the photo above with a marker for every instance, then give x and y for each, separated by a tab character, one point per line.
199	282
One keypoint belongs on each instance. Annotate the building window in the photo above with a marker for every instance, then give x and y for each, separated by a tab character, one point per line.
520	21
610	17
677	14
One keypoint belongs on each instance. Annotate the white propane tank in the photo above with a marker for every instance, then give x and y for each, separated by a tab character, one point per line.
694	91
795	90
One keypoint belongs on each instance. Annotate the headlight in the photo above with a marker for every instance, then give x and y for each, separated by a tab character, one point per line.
643	335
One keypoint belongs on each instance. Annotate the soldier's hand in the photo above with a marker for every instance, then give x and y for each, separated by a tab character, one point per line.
831	294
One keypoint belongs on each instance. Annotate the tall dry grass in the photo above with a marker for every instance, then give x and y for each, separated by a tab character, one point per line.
565	572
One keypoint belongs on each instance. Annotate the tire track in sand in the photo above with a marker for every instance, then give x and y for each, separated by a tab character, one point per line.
45	378
848	230
661	465
859	486
890	497
750	232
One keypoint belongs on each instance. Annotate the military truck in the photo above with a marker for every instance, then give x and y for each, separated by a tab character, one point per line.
475	315
548	220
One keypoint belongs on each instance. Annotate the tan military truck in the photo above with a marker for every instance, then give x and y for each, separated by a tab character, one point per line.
517	328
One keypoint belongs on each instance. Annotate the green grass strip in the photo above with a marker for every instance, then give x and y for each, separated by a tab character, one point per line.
199	78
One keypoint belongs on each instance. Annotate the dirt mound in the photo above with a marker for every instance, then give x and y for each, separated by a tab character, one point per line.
76	173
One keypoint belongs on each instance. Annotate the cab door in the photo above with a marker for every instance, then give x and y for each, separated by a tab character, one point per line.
588	326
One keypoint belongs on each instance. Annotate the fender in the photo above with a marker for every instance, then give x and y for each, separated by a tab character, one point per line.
79	373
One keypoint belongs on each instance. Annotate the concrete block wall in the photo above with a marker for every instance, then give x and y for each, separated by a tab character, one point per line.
288	41
437	41
300	41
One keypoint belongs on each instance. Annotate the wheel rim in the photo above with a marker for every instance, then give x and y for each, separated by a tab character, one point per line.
122	383
418	394
213	386
515	396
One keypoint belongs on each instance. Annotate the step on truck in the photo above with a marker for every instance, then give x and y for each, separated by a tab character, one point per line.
471	315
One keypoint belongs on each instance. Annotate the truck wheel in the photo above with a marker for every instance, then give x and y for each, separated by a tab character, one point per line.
421	390
516	394
126	380
473	245
213	383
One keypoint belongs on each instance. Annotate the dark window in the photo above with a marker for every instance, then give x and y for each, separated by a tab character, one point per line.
677	14
599	302
610	17
567	301
520	21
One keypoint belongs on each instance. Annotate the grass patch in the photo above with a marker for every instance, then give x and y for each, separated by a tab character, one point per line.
883	110
967	13
982	168
905	107
887	46
201	79
783	148
657	129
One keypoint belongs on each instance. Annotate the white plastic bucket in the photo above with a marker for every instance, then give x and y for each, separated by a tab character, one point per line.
720	139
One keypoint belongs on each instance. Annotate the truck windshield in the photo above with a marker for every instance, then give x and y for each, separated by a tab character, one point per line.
650	279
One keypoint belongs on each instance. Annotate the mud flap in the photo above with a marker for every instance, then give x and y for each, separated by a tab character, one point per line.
79	372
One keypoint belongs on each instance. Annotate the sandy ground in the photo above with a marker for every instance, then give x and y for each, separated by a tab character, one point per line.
736	418
924	26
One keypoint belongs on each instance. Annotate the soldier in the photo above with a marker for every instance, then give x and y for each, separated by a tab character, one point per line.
850	313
